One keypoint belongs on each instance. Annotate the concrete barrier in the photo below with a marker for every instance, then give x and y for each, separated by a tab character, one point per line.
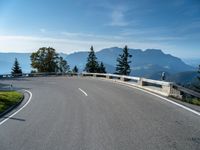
160	87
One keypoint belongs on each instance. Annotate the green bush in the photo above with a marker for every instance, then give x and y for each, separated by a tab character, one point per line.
9	98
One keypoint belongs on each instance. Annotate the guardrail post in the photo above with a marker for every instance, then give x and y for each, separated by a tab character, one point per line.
122	78
166	89
175	92
141	82
94	75
108	77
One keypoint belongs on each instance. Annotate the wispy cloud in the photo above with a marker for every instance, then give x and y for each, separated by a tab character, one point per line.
159	34
118	17
90	36
76	34
17	43
195	25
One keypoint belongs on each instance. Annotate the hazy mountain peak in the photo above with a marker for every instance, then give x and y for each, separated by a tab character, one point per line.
111	49
158	51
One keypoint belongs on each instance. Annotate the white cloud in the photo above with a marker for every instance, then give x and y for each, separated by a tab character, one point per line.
118	17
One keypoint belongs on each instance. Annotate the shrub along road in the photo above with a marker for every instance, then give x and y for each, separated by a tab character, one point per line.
8	99
81	113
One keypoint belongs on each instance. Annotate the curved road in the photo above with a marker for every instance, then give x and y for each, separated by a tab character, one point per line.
88	114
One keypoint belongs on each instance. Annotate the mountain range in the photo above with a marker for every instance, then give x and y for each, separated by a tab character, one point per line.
149	63
144	63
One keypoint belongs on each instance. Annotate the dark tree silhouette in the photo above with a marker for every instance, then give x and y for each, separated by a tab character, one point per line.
197	85
75	69
16	70
198	77
92	64
102	68
123	67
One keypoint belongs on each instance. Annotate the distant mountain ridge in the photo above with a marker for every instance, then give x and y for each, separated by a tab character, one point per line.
148	63
144	63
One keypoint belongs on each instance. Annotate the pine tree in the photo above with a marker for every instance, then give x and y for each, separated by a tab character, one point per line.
198	77
123	67
102	68
196	85
16	70
198	80
75	69
92	64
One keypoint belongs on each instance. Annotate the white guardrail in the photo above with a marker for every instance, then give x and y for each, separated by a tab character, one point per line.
160	87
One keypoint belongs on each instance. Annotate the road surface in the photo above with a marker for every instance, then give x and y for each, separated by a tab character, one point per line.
89	114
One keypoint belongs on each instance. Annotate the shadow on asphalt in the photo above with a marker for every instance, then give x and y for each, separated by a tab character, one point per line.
13	118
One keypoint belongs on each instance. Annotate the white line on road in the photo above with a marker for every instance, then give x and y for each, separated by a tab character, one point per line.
166	99
83	91
19	109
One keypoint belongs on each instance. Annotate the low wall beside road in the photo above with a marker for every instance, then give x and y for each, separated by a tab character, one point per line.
160	87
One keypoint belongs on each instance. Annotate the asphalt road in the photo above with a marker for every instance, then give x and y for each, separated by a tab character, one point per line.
111	117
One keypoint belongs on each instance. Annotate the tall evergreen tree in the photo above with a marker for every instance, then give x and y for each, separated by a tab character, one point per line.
92	64
198	80
196	84
75	69
123	67
102	68
198	77
16	70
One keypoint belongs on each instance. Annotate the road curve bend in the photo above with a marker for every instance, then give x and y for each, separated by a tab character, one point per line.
111	117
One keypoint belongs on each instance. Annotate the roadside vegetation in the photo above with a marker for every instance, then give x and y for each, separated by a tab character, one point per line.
194	101
190	99
46	59
8	99
123	67
92	65
196	85
16	70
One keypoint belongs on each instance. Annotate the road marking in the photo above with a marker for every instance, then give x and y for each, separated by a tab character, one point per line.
19	109
83	91
166	99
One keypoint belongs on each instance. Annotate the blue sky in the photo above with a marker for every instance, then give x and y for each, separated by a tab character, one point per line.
72	25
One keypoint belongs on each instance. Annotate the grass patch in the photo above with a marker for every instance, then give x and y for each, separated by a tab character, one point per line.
194	101
189	99
9	98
